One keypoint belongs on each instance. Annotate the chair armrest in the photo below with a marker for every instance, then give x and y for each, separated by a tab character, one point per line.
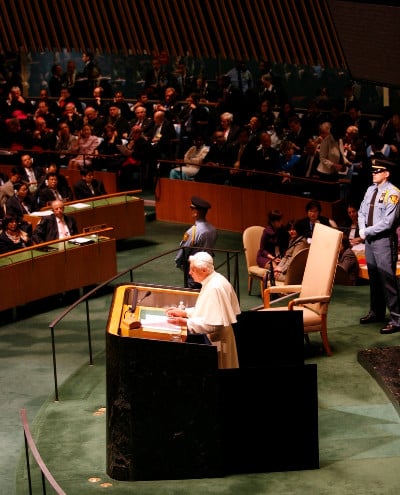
304	300
279	289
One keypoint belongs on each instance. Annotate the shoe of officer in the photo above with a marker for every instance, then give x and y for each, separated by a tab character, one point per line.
371	318
390	328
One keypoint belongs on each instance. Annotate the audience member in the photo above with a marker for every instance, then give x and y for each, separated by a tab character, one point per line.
192	159
96	121
138	164
219	154
162	139
87	145
12	237
118	121
19	205
108	155
266	159
297	134
62	182
55	226
240	77
69	78
7	190
67	144
288	156
56	80
142	120
266	114
88	186
297	242
306	225
49	192
227	126
273	243
72	117
120	101
30	174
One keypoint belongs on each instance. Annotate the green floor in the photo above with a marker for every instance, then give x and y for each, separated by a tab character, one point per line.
359	427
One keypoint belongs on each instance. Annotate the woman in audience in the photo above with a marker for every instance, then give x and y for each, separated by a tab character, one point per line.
12	237
297	242
19	205
87	144
274	241
352	224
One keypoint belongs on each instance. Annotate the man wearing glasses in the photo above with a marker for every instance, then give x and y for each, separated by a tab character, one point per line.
378	217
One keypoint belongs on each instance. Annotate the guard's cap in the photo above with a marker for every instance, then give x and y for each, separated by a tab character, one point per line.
379	165
200	203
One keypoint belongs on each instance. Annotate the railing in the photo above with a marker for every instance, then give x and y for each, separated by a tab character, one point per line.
30	446
85	298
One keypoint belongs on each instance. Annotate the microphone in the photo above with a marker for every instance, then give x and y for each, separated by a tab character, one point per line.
137	301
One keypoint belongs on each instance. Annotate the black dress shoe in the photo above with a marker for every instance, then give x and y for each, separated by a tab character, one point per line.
390	328
370	318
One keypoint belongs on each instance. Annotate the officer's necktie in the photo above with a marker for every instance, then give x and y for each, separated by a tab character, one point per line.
371	209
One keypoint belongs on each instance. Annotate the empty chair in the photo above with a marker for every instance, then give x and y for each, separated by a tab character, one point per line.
314	293
251	244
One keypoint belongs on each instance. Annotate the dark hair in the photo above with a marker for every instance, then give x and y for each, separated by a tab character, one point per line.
313	204
296	225
274	215
86	170
8	219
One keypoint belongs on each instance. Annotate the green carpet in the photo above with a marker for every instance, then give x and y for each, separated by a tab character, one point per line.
359	428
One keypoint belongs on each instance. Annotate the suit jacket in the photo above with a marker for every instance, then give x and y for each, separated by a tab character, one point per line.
47	229
82	190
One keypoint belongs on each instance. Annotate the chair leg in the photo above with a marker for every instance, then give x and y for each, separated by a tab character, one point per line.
324	336
249	284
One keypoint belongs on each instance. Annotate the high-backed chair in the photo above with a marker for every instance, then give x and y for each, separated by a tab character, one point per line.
314	293
251	243
294	274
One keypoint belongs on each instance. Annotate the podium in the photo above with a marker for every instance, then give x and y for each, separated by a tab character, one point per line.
172	414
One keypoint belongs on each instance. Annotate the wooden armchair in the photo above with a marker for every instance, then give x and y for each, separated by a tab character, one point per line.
314	293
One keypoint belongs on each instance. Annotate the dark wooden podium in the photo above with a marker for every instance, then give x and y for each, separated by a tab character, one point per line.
171	414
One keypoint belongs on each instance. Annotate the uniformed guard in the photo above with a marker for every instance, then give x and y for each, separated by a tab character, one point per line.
201	236
378	218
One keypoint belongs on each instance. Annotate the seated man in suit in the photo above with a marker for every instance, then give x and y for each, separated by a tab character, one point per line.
88	186
55	226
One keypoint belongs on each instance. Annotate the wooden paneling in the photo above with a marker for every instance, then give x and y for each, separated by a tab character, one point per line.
232	208
36	277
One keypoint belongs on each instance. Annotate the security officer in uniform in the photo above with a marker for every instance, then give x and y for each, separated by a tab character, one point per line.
201	236
378	218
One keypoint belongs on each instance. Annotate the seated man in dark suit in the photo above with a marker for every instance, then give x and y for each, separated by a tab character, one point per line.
55	226
88	186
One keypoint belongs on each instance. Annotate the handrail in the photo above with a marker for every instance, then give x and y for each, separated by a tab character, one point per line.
250	172
132	192
85	298
30	445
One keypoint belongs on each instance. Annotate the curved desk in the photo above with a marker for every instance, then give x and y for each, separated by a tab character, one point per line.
124	212
51	268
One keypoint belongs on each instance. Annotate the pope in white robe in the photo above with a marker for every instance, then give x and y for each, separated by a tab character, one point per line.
215	310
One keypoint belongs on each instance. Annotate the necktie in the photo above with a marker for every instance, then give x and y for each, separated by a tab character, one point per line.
371	209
